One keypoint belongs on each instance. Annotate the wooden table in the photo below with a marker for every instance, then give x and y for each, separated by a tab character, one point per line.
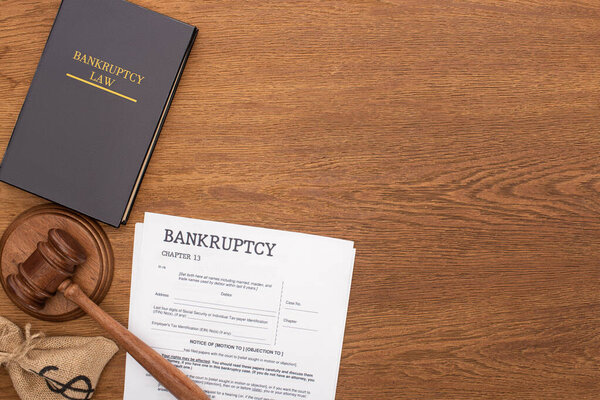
456	142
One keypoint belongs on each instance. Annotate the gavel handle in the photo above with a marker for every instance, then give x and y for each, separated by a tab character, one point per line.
166	373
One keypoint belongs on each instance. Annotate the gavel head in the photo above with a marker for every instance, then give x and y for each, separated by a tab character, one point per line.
46	268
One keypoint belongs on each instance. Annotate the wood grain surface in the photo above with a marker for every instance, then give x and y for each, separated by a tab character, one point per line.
456	142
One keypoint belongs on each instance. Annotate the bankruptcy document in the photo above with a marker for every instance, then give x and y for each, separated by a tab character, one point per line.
245	312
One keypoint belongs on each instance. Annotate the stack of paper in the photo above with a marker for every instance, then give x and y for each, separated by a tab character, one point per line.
247	313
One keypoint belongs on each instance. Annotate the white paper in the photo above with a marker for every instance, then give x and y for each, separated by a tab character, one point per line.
247	313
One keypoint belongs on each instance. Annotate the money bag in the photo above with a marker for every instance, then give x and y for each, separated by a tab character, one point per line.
52	368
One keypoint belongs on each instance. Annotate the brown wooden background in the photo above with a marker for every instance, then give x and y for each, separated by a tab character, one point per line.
456	142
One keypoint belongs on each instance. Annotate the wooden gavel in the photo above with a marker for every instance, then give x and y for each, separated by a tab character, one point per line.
49	269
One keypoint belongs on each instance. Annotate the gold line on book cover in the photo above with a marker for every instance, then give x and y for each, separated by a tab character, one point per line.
103	88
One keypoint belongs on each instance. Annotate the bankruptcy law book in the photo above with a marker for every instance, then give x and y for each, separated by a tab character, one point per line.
96	105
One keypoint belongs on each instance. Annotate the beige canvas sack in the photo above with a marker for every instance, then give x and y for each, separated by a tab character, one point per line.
52	368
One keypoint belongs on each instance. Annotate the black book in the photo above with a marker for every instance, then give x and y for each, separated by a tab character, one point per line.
96	105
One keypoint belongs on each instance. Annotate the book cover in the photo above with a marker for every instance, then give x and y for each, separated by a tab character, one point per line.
96	105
